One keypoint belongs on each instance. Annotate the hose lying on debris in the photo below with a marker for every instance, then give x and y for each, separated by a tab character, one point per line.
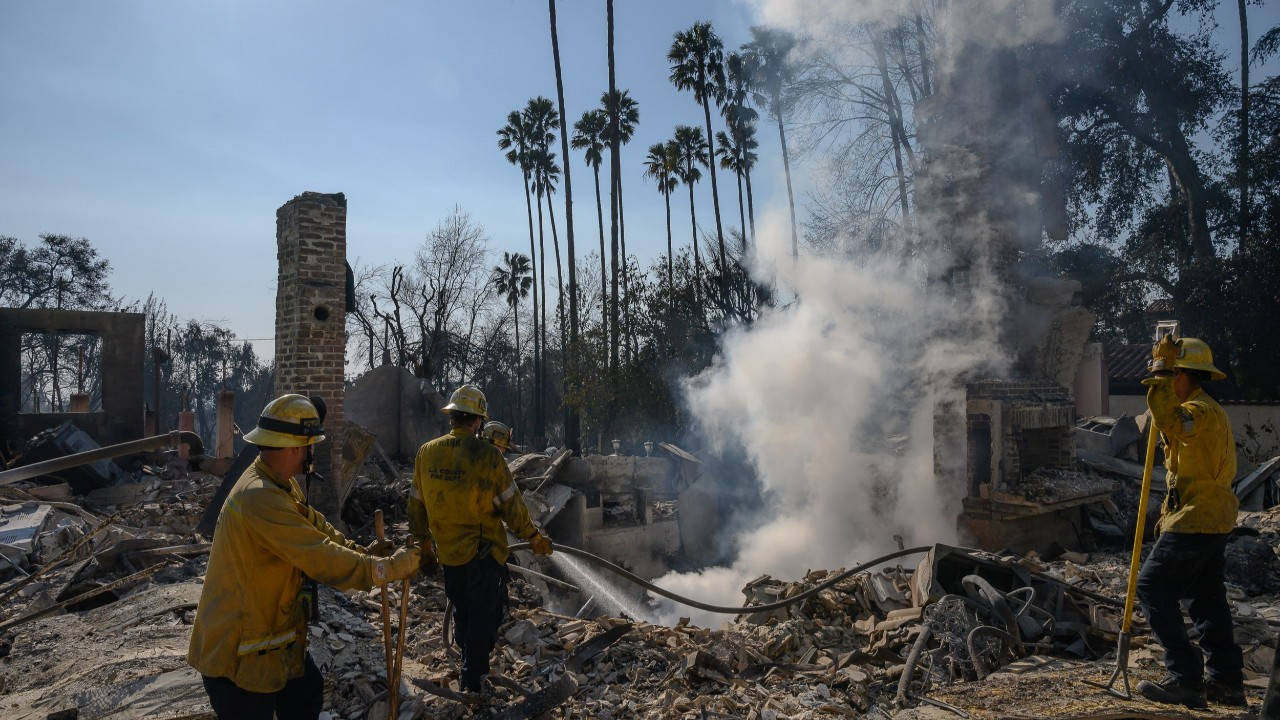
729	609
725	609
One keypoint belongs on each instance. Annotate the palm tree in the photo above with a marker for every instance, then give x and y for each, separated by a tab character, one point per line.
691	151
773	76
697	64
741	120
662	164
732	158
620	105
517	138
571	428
540	118
546	173
615	172
512	281
588	135
628	114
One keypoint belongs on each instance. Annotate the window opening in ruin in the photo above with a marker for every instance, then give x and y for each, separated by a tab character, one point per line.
1043	448
61	372
321	313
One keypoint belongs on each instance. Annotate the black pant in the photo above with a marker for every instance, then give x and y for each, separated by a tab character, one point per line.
301	699
478	592
1189	565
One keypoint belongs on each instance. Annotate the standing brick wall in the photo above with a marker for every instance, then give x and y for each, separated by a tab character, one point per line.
311	247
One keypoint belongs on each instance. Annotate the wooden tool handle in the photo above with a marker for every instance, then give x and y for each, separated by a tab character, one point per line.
379	527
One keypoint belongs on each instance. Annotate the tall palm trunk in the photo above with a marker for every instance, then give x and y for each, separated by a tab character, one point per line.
533	268
742	216
715	195
751	210
697	258
791	198
515	311
540	422
604	275
671	275
555	242
571	420
628	337
615	172
1244	126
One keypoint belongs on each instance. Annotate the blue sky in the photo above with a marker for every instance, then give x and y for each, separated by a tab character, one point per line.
169	132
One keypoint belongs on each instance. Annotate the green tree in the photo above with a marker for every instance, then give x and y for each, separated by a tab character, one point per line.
661	166
1133	92
697	64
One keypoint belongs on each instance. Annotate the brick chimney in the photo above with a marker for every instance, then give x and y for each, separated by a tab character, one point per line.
311	338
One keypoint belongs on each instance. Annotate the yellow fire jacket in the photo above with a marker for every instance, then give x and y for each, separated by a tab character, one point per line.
462	493
250	626
1200	456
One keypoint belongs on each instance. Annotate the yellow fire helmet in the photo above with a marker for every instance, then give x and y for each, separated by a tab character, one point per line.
1186	353
287	421
468	399
1194	354
498	434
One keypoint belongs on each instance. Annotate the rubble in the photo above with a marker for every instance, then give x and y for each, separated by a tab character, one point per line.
97	606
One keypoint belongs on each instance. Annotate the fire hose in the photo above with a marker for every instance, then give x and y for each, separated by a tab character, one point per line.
690	602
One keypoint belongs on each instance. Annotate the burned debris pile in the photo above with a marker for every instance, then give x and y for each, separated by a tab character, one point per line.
99	591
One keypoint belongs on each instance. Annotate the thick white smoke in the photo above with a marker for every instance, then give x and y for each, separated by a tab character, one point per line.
833	397
832	400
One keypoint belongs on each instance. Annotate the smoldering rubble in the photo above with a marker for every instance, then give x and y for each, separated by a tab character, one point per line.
99	593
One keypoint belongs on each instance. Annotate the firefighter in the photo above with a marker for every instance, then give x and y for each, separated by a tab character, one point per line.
249	641
462	496
498	434
1197	517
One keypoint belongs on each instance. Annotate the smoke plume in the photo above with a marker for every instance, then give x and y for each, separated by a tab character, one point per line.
833	397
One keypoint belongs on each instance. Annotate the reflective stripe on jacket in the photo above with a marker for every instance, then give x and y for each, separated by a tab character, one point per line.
462	494
1200	456
250	626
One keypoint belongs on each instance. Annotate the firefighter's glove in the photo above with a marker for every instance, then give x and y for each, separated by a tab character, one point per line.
403	564
540	544
429	563
380	548
1164	355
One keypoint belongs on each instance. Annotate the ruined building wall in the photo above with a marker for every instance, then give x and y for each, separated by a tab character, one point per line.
311	242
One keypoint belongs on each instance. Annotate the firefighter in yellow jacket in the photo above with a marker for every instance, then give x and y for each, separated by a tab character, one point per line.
462	495
1196	520
249	641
